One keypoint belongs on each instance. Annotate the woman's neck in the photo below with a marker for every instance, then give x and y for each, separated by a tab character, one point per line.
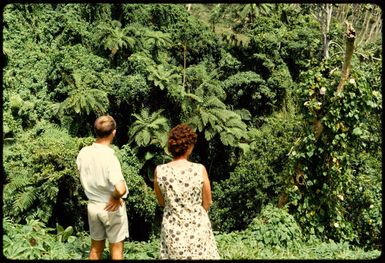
181	158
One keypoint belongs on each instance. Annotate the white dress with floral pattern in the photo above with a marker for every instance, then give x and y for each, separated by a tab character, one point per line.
186	229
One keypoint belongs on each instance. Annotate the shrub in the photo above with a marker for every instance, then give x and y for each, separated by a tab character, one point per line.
142	250
41	177
239	199
275	227
339	154
364	200
259	177
141	200
35	241
245	245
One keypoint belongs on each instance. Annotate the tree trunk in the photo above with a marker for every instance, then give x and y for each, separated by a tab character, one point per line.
350	37
326	29
324	16
376	25
364	33
184	65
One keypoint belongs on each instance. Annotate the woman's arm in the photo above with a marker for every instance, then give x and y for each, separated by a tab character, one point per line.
158	193
206	191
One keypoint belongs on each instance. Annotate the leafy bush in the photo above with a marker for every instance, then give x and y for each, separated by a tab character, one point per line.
41	177
243	245
259	177
142	250
141	201
275	227
35	241
338	155
236	245
248	90
364	200
238	200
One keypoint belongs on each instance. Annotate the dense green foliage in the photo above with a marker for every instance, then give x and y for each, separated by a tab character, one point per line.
259	177
42	182
275	227
295	165
141	203
336	164
35	241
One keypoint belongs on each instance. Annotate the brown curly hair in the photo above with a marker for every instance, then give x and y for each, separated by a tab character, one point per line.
180	138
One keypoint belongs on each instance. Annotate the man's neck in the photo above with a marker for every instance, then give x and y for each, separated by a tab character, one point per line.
103	141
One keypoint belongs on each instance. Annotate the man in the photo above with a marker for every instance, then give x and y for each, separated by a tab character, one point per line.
104	185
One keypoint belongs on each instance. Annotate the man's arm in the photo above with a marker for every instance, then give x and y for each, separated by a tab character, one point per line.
116	197
119	190
116	178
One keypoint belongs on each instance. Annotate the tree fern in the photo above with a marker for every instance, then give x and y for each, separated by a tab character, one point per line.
144	137
244	114
204	82
113	37
209	134
162	76
209	114
148	128
156	41
227	138
82	99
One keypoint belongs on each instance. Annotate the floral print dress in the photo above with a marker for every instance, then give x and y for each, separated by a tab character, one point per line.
186	229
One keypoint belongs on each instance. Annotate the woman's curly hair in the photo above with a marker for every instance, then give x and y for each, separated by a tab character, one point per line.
180	138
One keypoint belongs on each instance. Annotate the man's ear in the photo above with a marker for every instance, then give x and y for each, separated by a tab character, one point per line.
114	133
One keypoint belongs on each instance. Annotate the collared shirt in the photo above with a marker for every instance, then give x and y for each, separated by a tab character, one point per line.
99	170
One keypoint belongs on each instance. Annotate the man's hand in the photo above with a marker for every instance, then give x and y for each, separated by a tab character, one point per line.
113	204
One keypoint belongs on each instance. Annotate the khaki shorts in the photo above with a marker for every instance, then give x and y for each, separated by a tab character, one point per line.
110	225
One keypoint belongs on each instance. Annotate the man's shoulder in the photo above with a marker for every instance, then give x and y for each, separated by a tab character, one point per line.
101	151
85	150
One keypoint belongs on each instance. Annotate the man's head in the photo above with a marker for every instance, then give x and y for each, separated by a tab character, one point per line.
104	126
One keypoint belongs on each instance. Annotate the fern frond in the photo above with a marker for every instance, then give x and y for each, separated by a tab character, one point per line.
245	147
18	181
227	138
214	102
25	199
193	96
244	114
209	134
144	138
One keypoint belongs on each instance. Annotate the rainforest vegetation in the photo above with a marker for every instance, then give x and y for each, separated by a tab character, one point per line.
285	98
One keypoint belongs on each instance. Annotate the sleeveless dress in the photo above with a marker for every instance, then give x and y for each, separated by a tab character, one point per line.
186	229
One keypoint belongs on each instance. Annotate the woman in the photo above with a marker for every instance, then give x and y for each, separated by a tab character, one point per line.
183	188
